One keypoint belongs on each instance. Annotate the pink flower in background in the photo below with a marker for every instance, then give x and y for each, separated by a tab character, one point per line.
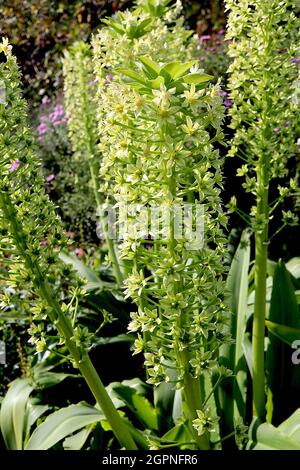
79	252
57	114
53	117
46	100
59	109
50	178
42	129
205	37
277	130
15	165
70	234
221	32
223	93
44	243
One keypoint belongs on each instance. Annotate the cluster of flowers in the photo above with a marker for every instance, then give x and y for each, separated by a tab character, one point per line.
263	83
156	141
31	233
56	118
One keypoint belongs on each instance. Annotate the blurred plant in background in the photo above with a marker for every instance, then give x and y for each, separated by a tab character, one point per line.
66	178
39	30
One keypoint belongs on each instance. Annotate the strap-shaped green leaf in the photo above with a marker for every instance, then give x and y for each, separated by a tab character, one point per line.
197	78
61	424
13	414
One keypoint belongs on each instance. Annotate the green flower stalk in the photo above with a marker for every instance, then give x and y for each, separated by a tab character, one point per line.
265	115
153	28
31	233
160	152
79	91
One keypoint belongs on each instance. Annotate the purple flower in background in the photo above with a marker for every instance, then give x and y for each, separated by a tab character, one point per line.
53	116
277	130
56	123
223	93
15	165
205	37
287	123
59	109
50	178
295	60
44	243
64	120
221	32
109	78
228	103
42	129
57	114
46	100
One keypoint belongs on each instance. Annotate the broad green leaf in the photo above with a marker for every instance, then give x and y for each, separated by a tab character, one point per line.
133	75
293	265
151	67
283	377
44	377
285	437
231	395
291	426
179	434
271	266
35	412
156	83
247	348
177	407
197	78
138	404
114	25
138	30
176	69
163	401
61	424
77	441
82	269
13	414
232	356
287	334
47	379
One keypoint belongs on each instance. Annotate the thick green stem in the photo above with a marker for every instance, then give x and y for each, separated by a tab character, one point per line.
193	400
65	329
261	256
